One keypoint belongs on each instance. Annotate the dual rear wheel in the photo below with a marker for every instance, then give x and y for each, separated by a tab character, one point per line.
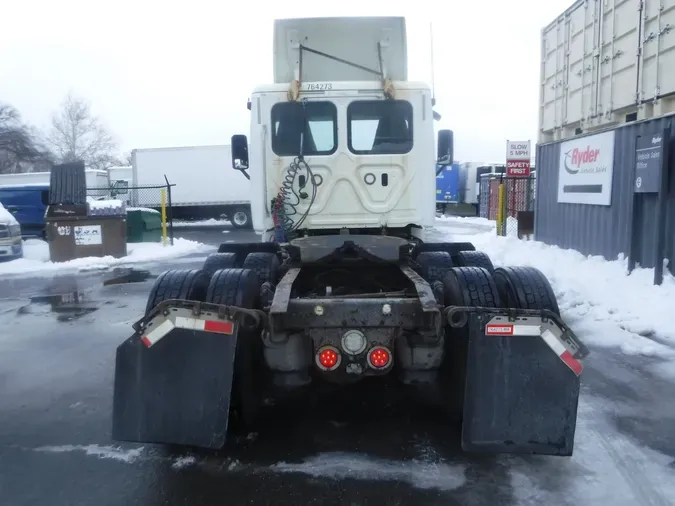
230	280
470	279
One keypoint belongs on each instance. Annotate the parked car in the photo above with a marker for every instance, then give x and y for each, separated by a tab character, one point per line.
11	246
28	204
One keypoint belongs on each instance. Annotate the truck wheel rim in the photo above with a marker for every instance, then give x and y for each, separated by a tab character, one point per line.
240	218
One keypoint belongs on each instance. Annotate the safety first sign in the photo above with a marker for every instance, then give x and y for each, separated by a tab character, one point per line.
518	158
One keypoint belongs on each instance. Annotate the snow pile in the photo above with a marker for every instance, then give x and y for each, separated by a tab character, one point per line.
597	298
103	452
203	223
104	204
107	207
182	462
145	209
418	473
36	257
6	216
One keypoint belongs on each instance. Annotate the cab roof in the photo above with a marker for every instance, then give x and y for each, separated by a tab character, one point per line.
327	87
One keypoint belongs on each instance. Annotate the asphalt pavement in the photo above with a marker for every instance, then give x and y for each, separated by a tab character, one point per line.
58	337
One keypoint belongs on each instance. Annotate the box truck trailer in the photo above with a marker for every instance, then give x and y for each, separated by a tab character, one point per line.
201	187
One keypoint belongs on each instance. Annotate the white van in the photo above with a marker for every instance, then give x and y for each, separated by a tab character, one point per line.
11	246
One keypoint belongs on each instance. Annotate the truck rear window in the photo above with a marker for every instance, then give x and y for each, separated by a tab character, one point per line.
318	121
380	127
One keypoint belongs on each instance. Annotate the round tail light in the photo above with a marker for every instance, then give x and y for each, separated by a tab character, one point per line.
379	357
328	358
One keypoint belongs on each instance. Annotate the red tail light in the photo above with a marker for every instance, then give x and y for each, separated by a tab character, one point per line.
328	358
379	357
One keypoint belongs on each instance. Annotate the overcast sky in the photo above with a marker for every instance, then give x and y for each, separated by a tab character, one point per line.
162	74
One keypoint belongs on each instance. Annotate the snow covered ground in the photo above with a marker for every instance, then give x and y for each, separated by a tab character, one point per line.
597	298
36	257
624	444
203	223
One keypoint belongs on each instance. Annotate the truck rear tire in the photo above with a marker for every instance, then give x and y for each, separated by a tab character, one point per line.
434	265
241	218
265	265
462	286
525	288
240	287
184	284
470	286
474	259
218	261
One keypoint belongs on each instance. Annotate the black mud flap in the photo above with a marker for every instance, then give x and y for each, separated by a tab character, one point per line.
175	392
520	395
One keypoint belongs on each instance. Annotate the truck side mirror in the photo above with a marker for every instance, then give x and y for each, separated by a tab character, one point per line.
239	146
445	153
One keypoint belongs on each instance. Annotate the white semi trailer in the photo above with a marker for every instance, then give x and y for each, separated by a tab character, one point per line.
201	187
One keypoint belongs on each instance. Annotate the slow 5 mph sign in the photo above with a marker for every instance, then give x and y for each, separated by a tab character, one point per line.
518	158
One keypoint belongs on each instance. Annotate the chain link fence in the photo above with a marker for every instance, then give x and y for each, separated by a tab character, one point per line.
510	202
154	197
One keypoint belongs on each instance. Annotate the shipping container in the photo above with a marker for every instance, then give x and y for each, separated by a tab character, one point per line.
585	193
604	63
204	184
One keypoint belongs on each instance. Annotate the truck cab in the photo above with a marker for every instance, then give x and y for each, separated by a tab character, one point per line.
341	141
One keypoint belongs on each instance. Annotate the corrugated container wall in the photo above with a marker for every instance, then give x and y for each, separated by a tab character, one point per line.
605	229
604	63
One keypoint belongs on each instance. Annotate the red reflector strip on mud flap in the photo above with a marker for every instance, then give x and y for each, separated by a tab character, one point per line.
181	322
507	329
157	333
562	352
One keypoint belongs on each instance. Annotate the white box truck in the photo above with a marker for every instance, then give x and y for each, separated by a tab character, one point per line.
604	63
204	186
121	174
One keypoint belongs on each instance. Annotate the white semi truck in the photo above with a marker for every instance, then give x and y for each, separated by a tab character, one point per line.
345	286
201	187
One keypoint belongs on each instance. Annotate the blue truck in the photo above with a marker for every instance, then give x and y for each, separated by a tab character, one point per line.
448	186
28	203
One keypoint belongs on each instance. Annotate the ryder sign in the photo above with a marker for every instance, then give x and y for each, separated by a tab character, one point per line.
585	170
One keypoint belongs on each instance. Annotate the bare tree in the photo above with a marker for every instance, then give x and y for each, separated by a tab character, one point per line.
77	134
20	151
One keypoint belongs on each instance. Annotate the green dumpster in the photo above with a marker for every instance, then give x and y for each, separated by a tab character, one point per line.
143	225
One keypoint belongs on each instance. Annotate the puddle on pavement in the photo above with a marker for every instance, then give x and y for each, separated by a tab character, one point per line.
67	307
70	298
